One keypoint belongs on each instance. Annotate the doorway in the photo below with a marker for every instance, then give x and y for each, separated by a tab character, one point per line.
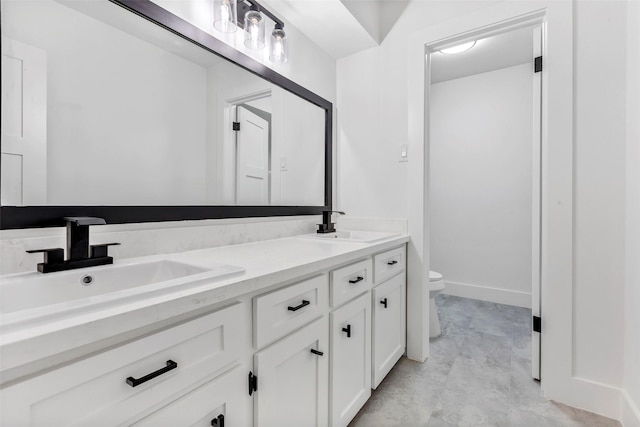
252	128
245	156
484	119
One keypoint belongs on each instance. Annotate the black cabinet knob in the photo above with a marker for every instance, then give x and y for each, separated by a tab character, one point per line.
384	302
347	330
218	421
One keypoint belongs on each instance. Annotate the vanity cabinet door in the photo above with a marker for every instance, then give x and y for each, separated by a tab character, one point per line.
125	383
219	401
389	326
292	373
350	362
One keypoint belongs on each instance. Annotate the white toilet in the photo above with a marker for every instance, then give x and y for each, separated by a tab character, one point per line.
436	284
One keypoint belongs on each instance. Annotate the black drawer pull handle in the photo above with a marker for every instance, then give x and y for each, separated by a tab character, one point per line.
319	353
133	382
218	421
296	308
357	279
347	330
384	302
394	262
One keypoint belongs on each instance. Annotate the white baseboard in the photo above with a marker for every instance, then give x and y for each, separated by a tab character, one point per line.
581	393
485	293
629	411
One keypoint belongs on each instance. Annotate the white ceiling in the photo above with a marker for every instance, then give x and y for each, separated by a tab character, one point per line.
340	27
344	27
493	53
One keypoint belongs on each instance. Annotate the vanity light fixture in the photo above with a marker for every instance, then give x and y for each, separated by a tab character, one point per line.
249	15
225	15
279	45
254	28
459	48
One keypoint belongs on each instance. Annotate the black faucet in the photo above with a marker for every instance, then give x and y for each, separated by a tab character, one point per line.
79	253
327	226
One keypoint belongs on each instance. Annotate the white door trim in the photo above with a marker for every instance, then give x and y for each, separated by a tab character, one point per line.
226	158
558	380
536	201
534	19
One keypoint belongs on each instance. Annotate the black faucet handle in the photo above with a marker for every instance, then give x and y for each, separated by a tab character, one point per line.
85	220
51	255
100	251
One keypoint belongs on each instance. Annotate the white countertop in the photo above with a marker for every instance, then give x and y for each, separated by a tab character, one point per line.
27	347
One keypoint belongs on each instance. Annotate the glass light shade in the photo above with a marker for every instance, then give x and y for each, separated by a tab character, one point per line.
279	46
253	30
225	15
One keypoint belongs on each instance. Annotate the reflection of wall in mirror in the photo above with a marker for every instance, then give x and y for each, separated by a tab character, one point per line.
297	137
130	123
303	149
105	148
24	124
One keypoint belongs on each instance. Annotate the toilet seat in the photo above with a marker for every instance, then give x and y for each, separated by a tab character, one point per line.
435	281
436	284
434	276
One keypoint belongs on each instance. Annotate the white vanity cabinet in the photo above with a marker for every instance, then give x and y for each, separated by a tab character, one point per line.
388	312
350	361
301	352
124	384
293	379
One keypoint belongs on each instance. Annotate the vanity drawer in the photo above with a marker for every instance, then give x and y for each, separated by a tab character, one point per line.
388	264
98	391
350	281
282	311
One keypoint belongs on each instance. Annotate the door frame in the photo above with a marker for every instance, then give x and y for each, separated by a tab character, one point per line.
226	159
536	22
237	135
557	370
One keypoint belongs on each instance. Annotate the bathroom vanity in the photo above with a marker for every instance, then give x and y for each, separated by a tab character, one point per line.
298	335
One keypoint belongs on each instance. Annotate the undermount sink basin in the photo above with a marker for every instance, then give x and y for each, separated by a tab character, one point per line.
352	236
55	292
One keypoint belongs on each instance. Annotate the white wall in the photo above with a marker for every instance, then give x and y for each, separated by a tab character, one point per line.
372	124
631	384
370	134
480	184
600	81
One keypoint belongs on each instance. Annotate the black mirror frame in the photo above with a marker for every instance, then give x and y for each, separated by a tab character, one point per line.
18	217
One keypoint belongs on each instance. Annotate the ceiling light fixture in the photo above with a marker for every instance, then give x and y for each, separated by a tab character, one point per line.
459	48
228	15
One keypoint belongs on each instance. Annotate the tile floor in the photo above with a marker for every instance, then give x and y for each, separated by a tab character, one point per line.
479	373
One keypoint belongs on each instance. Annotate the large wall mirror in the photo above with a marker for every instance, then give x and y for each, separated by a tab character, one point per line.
123	110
